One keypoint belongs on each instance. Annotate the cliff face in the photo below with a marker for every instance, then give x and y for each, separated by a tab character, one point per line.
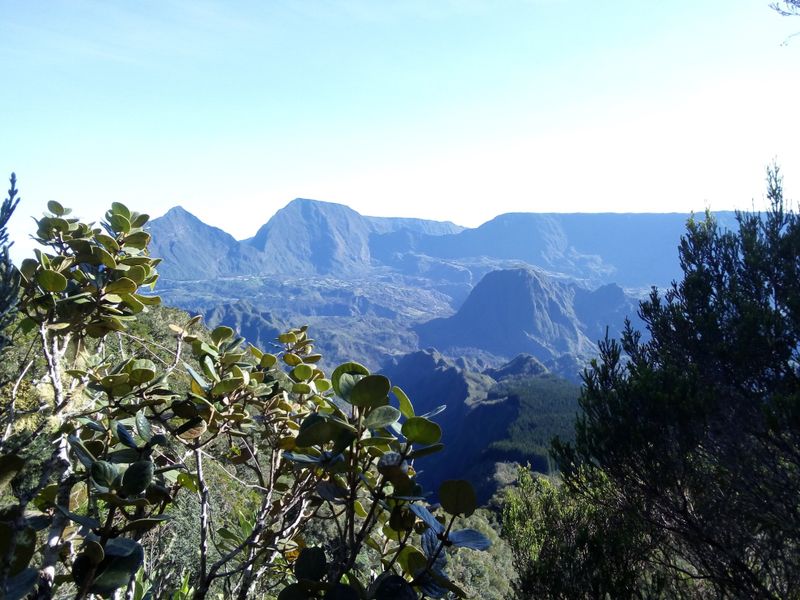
489	421
315	237
513	312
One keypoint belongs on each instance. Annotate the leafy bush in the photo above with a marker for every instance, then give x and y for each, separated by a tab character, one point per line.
568	545
130	427
697	429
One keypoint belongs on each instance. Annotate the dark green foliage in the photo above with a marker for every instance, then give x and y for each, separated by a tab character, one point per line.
698	428
488	574
488	424
9	281
515	424
311	564
119	559
568	545
395	587
547	409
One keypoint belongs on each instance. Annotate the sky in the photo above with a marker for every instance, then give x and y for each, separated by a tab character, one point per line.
443	109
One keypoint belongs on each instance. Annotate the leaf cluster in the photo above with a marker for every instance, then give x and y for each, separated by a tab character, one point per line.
129	434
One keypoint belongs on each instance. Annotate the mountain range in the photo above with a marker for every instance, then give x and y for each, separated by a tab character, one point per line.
310	237
375	288
496	322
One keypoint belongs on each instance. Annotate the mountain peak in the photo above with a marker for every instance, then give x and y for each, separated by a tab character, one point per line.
315	236
177	211
510	312
194	250
306	207
524	365
314	202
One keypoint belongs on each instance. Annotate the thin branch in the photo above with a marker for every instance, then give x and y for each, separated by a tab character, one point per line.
12	405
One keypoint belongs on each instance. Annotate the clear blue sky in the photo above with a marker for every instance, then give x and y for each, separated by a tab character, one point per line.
445	109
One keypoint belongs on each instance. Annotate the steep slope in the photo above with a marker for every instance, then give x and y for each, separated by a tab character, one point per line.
537	239
433	380
516	423
308	236
512	312
486	422
605	308
193	250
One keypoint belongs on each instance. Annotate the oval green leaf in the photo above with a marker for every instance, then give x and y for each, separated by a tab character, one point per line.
56	208
302	372
320	431
142	370
119	223
10	465
118	208
457	497
419	430
104	473
221	333
350	368
137	477
123	285
406	408
311	564
383	416
143	426
294	591
395	587
51	281
469	538
226	386
371	390
138	239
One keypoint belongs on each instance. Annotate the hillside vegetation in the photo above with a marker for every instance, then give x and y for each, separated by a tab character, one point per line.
122	446
684	475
